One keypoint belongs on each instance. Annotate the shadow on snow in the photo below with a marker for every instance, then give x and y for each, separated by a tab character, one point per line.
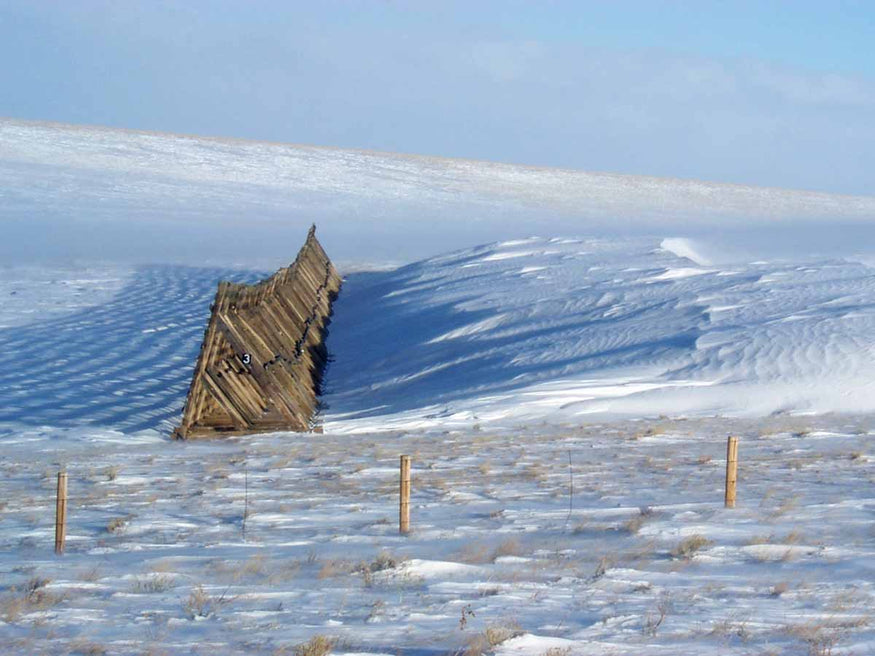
126	364
391	352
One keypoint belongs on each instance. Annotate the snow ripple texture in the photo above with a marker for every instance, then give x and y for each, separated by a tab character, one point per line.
544	328
507	333
125	364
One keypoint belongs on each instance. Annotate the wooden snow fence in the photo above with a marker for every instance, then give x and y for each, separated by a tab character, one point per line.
263	354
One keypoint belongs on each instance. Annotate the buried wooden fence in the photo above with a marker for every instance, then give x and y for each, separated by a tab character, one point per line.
404	491
263	353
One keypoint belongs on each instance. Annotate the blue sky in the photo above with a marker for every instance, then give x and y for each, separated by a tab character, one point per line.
769	93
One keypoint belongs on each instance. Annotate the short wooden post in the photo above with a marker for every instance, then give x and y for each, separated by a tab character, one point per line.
404	514
731	471
61	513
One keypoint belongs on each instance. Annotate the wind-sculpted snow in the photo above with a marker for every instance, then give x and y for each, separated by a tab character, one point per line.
125	363
546	328
541	522
504	334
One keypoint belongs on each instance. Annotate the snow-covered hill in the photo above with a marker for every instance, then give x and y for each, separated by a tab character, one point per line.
625	314
73	192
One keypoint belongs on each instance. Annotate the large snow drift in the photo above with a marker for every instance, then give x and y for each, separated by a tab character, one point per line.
504	334
561	328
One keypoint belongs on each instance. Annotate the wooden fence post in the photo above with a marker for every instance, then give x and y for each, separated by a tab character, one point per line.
404	511
61	513
731	471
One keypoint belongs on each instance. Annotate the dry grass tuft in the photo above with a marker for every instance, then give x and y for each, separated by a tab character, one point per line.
557	651
35	583
202	604
253	566
90	575
30	598
634	524
605	563
318	645
476	646
474	553
655	618
502	632
793	537
690	545
509	547
153	584
536	472
728	629
494	635
333	568
819	639
117	525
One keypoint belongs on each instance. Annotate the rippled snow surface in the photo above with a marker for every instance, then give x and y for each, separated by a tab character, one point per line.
508	333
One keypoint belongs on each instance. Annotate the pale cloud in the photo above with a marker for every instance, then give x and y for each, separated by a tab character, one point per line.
555	103
507	61
828	89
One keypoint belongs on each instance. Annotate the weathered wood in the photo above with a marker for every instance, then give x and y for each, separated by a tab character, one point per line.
261	362
61	513
731	471
404	509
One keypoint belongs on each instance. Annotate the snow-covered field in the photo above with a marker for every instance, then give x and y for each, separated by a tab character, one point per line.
584	539
566	400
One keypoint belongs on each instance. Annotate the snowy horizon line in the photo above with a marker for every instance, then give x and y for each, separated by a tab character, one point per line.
427	156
